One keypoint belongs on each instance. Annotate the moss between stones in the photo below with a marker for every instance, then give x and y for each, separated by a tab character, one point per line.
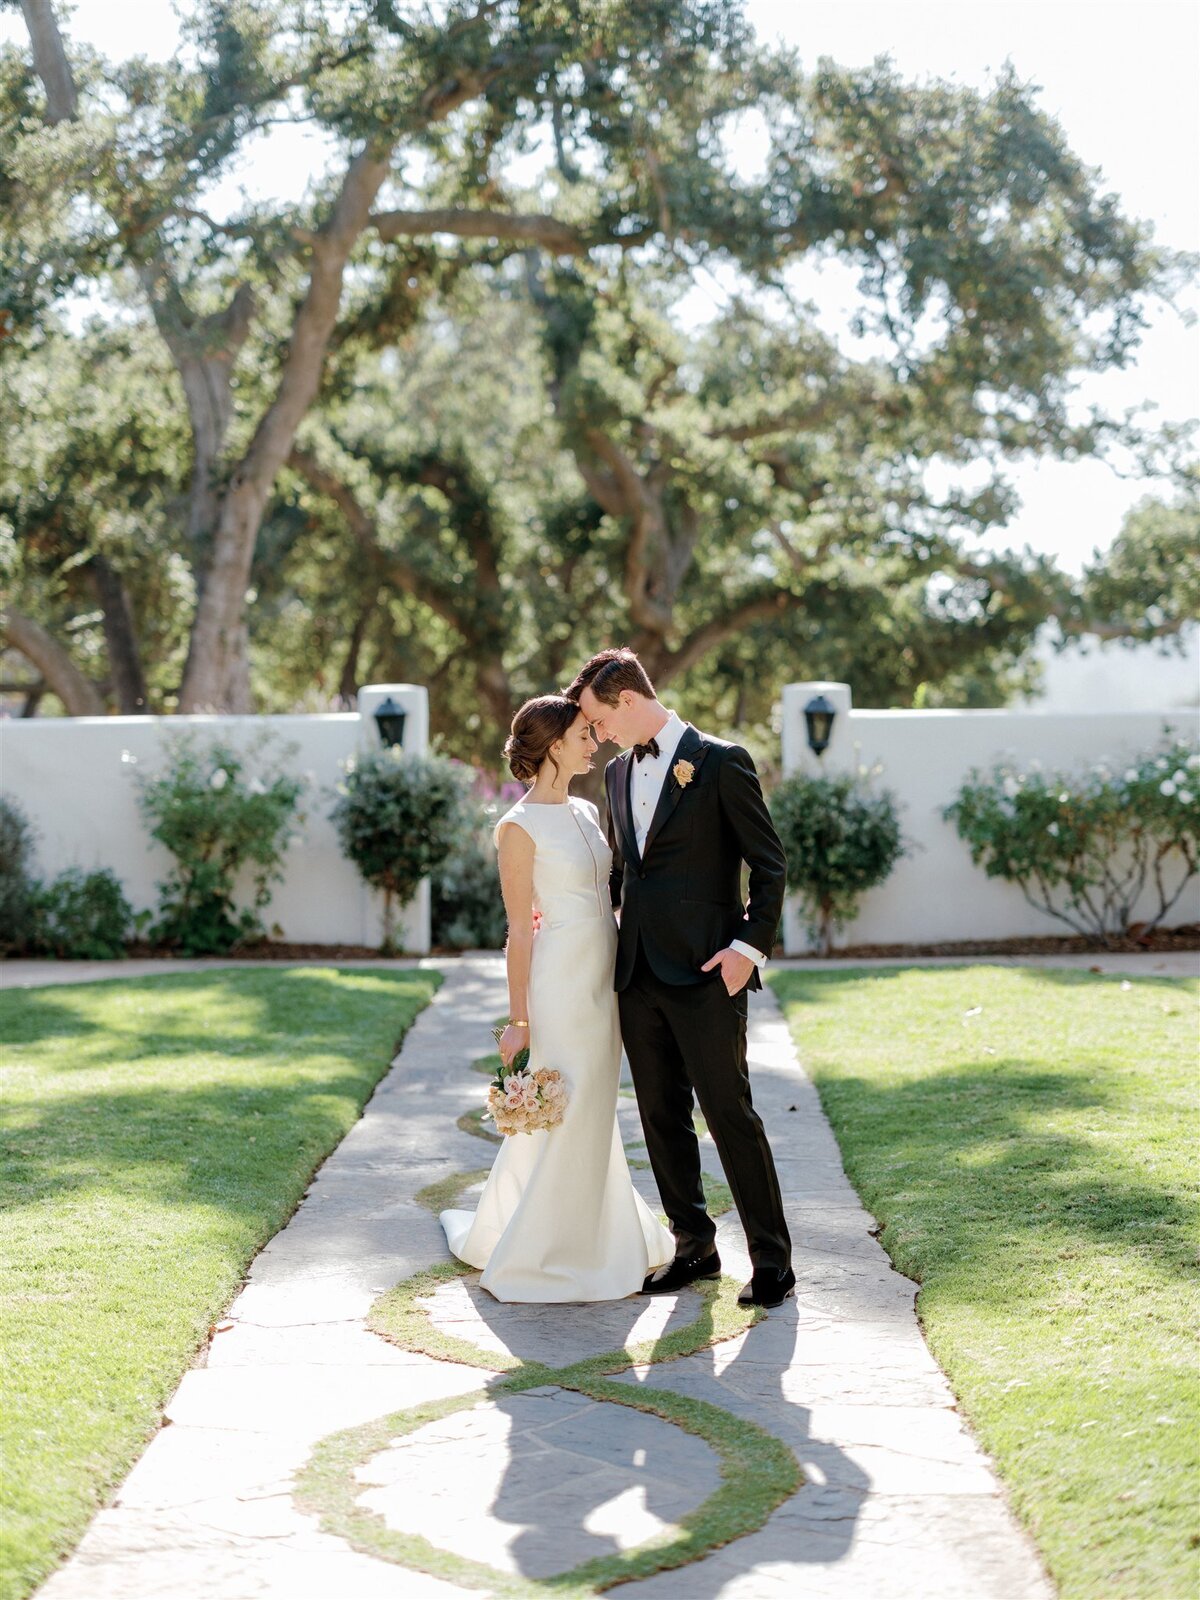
758	1472
472	1122
440	1196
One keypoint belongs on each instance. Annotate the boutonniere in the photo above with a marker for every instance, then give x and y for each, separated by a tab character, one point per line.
683	772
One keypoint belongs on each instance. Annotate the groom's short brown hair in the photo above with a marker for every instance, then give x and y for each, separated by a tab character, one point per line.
607	674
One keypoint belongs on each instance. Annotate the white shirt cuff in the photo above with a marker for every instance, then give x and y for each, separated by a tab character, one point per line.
756	956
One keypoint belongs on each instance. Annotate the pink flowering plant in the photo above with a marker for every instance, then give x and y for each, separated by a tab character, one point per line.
1083	847
521	1101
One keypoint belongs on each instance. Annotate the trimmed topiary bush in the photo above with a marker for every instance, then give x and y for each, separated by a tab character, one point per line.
398	818
840	840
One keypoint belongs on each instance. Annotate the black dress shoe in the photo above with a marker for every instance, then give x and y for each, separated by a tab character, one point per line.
682	1271
768	1287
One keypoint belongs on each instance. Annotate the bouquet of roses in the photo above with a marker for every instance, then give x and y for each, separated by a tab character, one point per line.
521	1101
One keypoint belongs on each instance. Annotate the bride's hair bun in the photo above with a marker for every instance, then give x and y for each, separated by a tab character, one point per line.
539	723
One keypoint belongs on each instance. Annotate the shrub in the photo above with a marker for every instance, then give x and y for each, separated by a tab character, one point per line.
398	817
18	888
840	840
467	903
1083	847
215	823
84	916
467	906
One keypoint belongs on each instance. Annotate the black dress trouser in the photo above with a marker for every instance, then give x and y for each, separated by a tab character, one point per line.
691	1039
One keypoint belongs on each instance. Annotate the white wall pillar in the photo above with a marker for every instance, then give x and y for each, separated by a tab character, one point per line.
797	757
413	923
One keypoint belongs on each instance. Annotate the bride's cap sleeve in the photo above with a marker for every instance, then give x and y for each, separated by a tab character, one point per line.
516	814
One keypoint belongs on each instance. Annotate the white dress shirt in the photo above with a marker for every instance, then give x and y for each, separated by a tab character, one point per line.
645	787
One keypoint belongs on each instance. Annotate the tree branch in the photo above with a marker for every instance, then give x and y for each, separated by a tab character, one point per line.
77	693
387	563
521	228
767	603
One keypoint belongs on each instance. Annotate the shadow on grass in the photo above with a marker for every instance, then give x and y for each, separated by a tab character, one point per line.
971	1166
276	1004
262	1108
821	985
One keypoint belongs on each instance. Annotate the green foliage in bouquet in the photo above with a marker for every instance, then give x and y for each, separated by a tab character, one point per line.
398	817
216	822
1083	847
840	839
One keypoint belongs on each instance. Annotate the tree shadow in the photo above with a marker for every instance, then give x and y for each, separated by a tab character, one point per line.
575	1463
235	1136
981	1176
823	986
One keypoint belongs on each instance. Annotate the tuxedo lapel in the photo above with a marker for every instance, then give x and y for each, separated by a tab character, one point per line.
625	810
690	748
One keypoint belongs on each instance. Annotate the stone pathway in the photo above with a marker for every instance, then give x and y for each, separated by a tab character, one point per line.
897	1499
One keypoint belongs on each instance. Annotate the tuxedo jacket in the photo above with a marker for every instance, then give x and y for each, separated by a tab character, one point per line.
682	897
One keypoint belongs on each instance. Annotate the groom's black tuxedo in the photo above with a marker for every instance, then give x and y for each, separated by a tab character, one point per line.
682	898
685	1035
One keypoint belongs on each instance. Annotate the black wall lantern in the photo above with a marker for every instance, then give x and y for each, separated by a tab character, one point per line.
819	715
390	719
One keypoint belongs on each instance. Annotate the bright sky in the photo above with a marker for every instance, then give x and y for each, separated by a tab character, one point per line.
1123	80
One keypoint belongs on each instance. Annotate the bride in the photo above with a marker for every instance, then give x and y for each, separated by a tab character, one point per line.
559	1218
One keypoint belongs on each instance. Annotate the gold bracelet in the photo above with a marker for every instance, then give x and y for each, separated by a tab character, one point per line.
517	1022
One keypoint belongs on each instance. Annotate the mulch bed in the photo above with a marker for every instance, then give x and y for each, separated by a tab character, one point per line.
1159	939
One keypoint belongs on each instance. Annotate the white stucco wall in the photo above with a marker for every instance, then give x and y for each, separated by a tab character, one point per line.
69	776
935	893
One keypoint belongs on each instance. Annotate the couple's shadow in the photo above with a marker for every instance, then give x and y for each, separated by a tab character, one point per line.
586	1478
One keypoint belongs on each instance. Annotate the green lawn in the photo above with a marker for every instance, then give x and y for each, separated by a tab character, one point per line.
1028	1137
159	1131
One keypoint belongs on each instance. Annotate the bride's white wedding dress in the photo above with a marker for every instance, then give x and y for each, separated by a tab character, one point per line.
559	1218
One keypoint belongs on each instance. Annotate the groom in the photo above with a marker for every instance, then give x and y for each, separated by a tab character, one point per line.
685	810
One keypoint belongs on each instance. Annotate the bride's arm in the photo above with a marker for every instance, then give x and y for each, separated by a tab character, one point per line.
516	883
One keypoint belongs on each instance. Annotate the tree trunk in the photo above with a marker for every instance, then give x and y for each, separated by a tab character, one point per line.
50	60
216	672
124	657
80	696
348	686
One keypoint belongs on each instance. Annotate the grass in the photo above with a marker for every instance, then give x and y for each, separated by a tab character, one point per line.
1027	1138
159	1132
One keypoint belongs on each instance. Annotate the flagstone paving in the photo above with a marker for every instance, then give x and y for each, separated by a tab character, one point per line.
896	1497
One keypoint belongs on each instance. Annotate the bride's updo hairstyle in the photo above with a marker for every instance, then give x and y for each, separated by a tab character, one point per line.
539	723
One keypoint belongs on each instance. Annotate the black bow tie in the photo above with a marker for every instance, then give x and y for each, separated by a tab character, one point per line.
650	748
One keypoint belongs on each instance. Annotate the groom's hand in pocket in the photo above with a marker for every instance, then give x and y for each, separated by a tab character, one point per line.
735	969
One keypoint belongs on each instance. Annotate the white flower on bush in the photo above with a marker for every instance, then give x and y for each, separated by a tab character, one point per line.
1162	763
1186	796
1131	775
257	786
128	759
1179	777
1063	798
1194	763
1166	787
1053	828
219	779
1011	787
